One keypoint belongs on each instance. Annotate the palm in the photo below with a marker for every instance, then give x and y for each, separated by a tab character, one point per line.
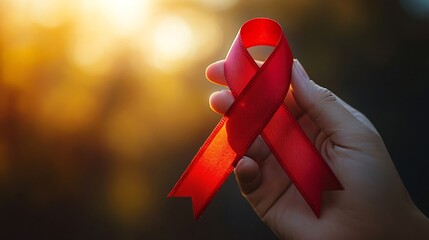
355	153
281	206
285	210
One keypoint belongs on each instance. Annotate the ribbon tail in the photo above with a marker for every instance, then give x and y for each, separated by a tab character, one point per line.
301	161
208	170
194	187
258	109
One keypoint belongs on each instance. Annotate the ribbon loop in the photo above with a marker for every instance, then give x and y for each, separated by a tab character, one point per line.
258	109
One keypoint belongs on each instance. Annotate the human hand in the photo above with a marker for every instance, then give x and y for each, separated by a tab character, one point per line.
374	204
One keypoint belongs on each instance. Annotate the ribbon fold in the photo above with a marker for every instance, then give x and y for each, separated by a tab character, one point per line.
258	109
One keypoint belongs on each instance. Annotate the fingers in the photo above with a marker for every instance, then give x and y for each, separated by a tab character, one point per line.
293	107
262	185
259	150
310	129
248	175
221	101
215	73
358	115
321	105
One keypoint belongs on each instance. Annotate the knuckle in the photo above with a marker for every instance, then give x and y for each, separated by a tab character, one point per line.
326	96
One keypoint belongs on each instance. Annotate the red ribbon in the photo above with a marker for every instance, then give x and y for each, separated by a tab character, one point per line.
258	109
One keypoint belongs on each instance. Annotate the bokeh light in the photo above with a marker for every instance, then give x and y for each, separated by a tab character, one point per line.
182	37
47	13
219	4
122	17
103	103
172	40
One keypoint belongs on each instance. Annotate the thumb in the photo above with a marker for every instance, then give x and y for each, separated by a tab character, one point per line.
321	105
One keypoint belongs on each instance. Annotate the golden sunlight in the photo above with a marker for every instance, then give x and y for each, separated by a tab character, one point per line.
124	17
182	37
47	13
219	4
172	38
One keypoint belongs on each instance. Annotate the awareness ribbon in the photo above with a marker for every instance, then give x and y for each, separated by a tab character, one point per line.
258	109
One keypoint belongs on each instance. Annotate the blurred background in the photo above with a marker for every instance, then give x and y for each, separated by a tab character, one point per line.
103	104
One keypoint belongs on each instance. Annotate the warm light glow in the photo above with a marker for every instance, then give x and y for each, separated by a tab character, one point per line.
219	4
89	49
172	39
101	25
47	13
181	38
125	17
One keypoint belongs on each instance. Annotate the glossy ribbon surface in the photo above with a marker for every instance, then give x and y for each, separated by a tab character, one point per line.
258	109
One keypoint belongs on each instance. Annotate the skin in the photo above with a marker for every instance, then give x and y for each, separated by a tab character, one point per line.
374	204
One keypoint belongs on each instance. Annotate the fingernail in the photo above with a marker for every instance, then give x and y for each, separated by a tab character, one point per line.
242	161
301	69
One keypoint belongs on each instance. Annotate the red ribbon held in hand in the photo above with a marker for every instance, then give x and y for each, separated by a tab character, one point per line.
258	109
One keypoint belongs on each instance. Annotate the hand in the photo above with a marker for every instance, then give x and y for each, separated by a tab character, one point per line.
374	204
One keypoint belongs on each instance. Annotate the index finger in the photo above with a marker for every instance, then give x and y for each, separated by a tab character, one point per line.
215	72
